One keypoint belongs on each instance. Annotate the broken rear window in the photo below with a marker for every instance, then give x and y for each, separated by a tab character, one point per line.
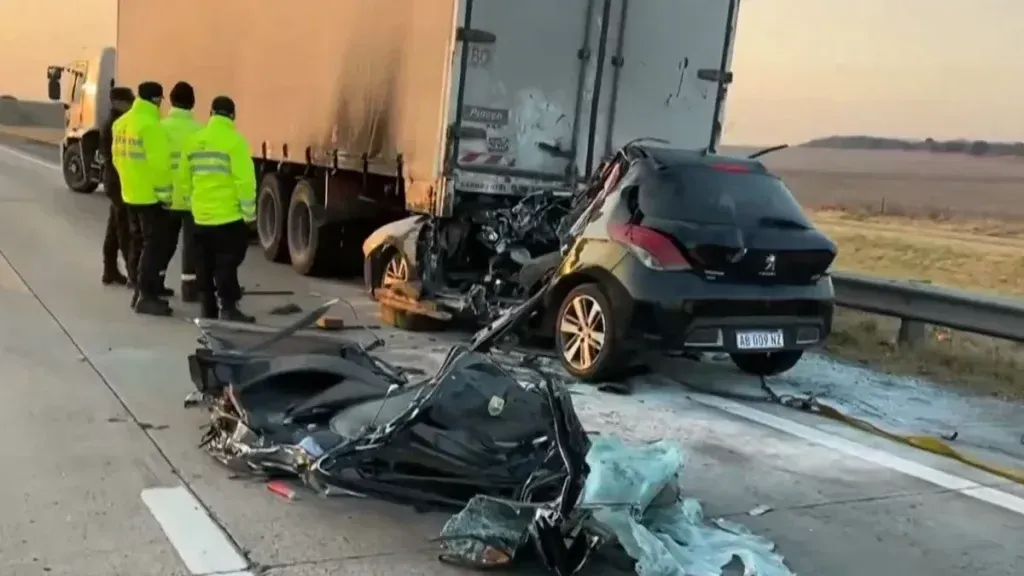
709	195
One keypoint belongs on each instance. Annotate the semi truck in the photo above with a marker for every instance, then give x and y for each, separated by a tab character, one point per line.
361	112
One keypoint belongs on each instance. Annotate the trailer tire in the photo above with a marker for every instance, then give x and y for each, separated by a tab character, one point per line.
310	243
76	174
271	218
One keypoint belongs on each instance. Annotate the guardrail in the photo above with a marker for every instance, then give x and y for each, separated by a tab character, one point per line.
919	303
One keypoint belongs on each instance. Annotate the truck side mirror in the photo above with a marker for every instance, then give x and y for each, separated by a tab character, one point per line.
53	74
53	90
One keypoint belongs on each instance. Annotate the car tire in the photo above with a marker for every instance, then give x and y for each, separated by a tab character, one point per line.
271	218
602	361
76	174
766	363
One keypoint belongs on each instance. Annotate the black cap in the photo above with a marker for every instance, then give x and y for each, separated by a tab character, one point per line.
183	96
151	91
223	106
121	94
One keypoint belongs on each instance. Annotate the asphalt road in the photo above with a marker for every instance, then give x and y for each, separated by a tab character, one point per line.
104	477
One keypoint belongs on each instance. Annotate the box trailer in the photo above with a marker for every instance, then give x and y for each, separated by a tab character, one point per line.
359	112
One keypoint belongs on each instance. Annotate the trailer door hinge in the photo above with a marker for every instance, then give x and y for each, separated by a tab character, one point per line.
474	36
714	75
467	132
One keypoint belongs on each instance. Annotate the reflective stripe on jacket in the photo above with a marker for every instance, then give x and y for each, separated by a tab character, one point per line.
180	125
142	155
216	174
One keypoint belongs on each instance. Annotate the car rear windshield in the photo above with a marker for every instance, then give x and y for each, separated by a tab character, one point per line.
708	195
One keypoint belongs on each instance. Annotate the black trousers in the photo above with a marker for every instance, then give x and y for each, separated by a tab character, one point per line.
220	250
172	228
179	223
147	226
189	258
117	239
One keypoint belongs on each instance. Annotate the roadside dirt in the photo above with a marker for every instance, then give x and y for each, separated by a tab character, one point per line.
34	133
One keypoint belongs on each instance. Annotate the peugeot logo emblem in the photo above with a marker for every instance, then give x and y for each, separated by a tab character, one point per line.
769	264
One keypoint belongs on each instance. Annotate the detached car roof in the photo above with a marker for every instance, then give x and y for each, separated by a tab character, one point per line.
671	158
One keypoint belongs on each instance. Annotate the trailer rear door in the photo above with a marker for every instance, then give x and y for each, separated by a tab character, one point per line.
516	92
663	70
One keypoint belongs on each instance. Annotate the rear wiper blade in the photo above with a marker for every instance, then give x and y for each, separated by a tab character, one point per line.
774	222
764	151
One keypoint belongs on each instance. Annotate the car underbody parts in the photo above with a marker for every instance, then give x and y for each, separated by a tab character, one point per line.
494	438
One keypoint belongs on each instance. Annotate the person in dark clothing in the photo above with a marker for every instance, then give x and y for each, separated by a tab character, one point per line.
117	239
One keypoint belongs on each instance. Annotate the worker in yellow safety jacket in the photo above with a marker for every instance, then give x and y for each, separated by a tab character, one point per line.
142	157
180	125
217	178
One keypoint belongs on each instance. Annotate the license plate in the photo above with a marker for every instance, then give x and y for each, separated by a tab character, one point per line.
760	340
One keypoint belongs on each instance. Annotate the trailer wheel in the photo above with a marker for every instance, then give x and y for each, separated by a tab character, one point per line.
76	175
309	243
271	210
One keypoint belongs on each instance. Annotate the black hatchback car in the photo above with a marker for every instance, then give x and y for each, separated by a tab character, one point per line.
687	251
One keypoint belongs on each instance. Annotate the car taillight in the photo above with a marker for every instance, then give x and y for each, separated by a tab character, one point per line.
734	168
651	247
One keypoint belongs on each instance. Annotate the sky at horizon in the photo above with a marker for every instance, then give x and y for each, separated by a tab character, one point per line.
803	68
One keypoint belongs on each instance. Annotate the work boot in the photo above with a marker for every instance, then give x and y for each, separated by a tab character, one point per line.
189	291
114	277
233	314
153	307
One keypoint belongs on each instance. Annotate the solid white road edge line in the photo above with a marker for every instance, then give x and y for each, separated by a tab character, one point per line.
199	542
30	158
905	466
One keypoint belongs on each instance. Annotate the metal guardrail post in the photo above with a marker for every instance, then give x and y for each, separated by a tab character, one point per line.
912	333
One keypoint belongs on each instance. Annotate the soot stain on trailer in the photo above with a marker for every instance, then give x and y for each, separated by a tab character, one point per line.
366	111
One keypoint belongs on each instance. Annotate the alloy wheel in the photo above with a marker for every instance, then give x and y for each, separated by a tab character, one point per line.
582	329
396	272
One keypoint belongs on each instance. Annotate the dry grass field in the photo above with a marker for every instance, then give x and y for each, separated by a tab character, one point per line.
949	219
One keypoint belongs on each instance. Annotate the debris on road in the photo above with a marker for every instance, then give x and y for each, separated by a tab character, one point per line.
330	323
497	443
282	489
760	510
286	309
246	292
